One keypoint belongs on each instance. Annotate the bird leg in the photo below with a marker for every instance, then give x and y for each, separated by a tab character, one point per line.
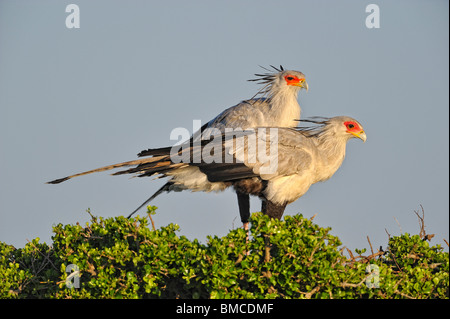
244	209
273	211
244	206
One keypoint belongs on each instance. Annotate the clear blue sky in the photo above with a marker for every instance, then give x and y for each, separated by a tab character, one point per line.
77	99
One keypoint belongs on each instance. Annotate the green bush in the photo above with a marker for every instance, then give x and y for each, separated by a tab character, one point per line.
293	258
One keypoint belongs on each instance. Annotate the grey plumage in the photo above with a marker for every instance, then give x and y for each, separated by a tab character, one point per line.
305	156
275	104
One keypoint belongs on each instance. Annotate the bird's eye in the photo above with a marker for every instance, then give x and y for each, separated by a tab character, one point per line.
352	126
292	80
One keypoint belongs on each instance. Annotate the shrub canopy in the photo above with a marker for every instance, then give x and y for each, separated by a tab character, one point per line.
293	258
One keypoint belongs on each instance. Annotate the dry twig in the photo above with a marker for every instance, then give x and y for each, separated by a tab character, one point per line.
151	219
423	235
370	244
308	295
422	232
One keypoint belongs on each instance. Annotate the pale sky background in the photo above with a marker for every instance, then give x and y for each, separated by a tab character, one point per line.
77	99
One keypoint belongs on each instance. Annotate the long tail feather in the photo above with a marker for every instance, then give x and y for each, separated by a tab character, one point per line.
155	152
165	188
106	168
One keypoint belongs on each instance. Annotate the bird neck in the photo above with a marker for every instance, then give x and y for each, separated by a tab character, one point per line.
331	153
284	107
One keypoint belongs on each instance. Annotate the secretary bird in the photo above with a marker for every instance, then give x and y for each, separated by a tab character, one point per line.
275	104
303	156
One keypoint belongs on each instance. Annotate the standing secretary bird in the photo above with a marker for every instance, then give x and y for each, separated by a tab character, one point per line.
303	157
275	104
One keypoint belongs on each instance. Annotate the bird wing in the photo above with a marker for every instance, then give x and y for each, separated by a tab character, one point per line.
264	152
248	113
280	152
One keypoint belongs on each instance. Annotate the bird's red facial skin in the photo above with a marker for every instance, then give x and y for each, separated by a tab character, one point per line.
353	127
293	80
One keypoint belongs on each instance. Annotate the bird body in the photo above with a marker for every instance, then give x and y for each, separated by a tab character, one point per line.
304	156
275	104
282	111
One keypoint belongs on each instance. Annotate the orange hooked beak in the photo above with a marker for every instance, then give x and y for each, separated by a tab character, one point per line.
302	84
361	135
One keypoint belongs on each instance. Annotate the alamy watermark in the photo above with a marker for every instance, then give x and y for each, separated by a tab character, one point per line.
373	19
373	279
73	279
73	19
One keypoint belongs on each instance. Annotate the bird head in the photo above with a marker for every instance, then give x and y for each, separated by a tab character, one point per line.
342	127
353	128
281	80
293	79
